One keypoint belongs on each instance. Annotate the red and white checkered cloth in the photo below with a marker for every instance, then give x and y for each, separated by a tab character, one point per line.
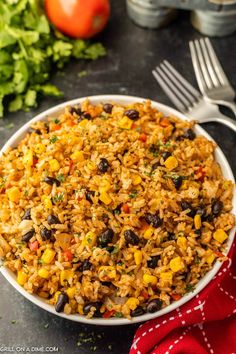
205	324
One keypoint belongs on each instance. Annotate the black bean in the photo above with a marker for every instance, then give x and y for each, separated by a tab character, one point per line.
198	232
185	206
177	181
26	237
51	181
88	195
75	109
52	219
165	155
155	166
106	283
152	263
107	107
217	207
189	134
46	233
132	114
110	249
86	265
171	236
103	165
139	311
154	305
84	115
33	130
46	126
105	237
153	219
131	237
62	300
27	215
88	307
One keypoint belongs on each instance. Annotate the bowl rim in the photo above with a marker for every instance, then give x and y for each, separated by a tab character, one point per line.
120	99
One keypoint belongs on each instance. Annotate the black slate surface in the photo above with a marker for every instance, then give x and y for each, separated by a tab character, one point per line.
132	53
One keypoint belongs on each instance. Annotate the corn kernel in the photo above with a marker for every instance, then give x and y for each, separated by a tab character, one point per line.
91	166
28	158
148	233
166	277
106	273
39	148
71	292
21	277
46	201
132	303
48	256
56	295
90	239
125	123
54	165
13	194
43	273
210	256
138	257
83	123
77	156
171	163
176	264
66	275
105	198
80	309
136	180
220	235
197	221
104	186
149	279
182	242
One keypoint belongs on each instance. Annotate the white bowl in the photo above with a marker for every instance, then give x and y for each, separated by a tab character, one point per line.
226	170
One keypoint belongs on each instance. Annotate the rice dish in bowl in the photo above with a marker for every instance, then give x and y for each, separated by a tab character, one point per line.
113	210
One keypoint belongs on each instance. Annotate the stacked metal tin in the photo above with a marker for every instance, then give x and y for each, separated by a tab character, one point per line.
210	17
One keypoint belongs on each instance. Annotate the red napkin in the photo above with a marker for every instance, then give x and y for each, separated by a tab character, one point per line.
205	324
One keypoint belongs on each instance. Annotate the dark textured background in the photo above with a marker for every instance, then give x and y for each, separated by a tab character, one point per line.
132	53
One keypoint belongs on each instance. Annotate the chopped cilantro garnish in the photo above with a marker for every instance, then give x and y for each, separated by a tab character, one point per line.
56	121
115	250
119	314
189	288
58	198
53	139
133	194
60	178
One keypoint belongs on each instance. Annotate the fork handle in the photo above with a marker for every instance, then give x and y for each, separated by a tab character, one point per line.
223	120
230	105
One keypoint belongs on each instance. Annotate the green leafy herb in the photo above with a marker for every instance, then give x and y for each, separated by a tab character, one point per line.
58	198
53	139
26	193
60	178
119	314
30	49
133	194
117	211
115	250
189	288
56	121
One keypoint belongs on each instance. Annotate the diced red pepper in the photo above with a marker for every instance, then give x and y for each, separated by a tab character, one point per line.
200	173
34	246
219	254
145	294
143	137
125	208
35	161
68	255
134	126
108	314
176	297
55	127
164	122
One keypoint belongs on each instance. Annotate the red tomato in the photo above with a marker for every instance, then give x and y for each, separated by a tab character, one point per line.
34	246
125	208
176	297
108	314
143	137
68	255
78	18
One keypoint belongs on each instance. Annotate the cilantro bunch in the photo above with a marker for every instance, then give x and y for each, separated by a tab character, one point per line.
29	49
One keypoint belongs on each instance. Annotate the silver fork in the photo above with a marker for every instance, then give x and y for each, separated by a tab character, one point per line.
210	75
186	98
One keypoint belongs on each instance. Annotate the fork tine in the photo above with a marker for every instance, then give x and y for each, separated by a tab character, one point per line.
216	64
209	65
182	83
197	69
159	77
205	73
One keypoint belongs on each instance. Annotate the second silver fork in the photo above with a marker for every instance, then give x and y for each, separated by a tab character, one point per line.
186	98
